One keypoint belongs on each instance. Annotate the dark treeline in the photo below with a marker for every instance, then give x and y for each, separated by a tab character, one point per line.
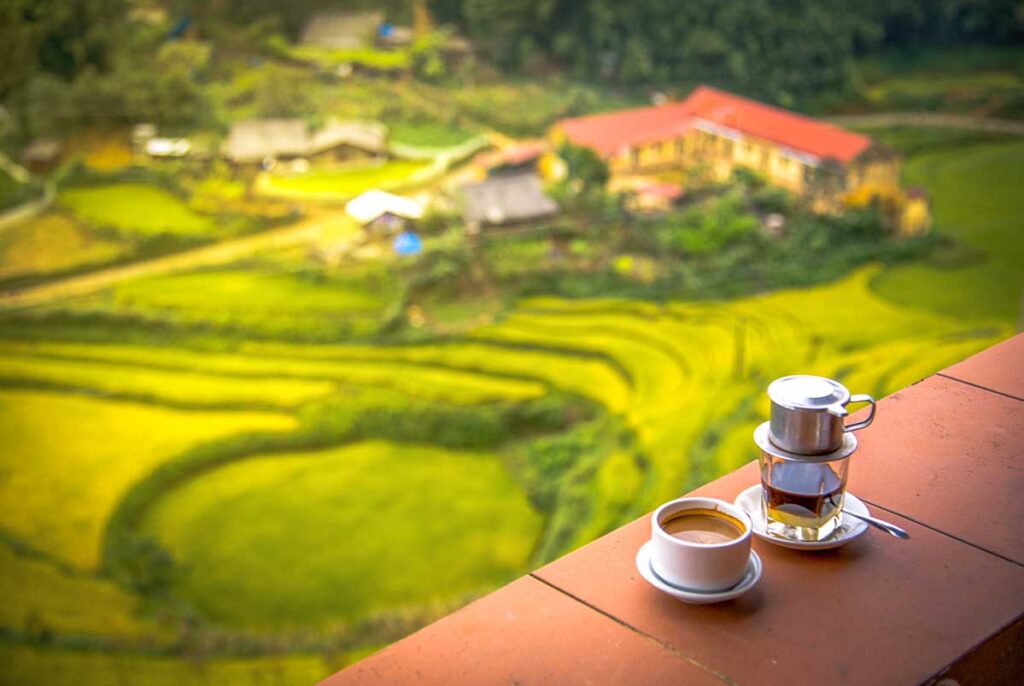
779	50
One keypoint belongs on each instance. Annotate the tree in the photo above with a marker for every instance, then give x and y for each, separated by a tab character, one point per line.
60	37
283	92
585	166
427	54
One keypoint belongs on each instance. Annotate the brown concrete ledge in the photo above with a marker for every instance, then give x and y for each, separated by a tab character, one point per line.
945	460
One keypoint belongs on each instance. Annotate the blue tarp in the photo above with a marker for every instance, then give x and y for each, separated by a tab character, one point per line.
407	243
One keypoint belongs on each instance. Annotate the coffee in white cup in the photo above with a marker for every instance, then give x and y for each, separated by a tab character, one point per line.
701	544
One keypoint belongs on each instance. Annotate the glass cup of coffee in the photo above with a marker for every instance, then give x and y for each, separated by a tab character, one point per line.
802	495
700	544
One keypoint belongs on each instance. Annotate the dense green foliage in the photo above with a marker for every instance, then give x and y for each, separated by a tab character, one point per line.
718	247
14	193
775	50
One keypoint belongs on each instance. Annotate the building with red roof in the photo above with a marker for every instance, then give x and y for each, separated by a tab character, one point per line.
712	132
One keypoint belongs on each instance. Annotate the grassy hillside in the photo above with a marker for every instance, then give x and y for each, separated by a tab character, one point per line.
975	190
358	529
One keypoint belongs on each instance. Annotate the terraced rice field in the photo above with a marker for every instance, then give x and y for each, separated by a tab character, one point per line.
53	242
22	665
339	184
313	540
280	531
86	452
682	373
265	302
135	209
394	524
64	601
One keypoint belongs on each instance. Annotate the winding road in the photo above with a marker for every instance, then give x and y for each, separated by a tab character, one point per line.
305	231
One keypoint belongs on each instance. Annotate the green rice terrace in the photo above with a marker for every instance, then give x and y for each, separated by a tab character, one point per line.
223	482
244	441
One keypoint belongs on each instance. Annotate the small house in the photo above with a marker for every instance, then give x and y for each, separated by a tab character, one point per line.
342	142
384	213
506	199
261	142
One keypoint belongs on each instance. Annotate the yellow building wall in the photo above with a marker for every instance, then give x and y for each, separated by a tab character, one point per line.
722	156
881	177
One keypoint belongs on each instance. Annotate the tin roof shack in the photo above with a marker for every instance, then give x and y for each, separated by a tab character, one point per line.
382	213
342	142
342	30
506	200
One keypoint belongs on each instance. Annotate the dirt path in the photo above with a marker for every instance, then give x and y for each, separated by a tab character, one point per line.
930	119
304	231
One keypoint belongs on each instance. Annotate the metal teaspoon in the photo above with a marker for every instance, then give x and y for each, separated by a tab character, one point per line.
878	523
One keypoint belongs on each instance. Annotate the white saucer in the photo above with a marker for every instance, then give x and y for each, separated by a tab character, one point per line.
849	528
643	565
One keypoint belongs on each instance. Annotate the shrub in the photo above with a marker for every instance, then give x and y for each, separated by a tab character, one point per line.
143	565
770	199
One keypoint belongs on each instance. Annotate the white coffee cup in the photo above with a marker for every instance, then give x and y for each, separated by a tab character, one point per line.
696	566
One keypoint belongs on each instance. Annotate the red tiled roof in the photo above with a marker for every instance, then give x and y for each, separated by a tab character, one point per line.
607	133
